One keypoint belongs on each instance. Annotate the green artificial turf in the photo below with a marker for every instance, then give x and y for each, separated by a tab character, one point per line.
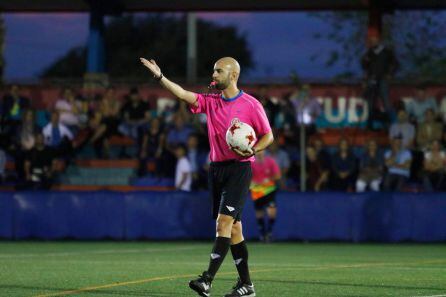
164	269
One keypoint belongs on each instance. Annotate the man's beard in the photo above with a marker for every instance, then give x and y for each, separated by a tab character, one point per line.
221	85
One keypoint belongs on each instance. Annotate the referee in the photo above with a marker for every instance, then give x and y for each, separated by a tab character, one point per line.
230	171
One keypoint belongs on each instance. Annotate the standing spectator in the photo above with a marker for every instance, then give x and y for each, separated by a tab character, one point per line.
343	168
265	174
398	160
306	109
434	167
379	64
420	104
38	165
183	170
283	161
13	106
371	168
317	172
402	128
429	130
69	109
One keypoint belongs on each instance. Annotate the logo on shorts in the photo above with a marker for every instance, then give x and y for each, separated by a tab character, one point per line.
230	208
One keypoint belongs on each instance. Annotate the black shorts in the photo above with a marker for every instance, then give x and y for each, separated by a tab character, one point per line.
229	186
268	200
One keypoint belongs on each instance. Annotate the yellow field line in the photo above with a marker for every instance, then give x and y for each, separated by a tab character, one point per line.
148	280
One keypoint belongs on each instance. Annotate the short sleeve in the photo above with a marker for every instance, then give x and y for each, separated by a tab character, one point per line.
201	108
260	121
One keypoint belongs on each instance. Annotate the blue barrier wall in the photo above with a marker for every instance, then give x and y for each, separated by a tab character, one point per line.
381	217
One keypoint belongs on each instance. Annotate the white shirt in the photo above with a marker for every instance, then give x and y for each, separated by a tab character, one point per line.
183	166
48	133
67	116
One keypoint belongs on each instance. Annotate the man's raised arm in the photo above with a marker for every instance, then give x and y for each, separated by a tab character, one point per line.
178	91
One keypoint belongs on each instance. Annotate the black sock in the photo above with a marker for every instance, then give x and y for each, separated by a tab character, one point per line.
240	255
261	225
271	224
221	247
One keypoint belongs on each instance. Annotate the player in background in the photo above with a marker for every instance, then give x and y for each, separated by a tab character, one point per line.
230	170
265	176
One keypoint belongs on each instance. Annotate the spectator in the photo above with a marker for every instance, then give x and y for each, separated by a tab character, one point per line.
434	167
398	160
283	161
371	168
379	64
179	133
343	168
429	130
2	165
402	128
197	159
13	106
38	165
69	109
317	173
135	115
420	104
58	137
322	154
265	174
183	170
306	109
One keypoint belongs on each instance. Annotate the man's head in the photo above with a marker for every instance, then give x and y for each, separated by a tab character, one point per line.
311	153
372	145
134	94
192	141
397	143
39	140
343	145
421	92
180	151
226	73
55	118
402	116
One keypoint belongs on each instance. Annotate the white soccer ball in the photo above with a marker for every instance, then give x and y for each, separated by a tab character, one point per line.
240	135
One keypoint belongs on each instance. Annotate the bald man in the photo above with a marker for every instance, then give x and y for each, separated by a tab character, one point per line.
230	170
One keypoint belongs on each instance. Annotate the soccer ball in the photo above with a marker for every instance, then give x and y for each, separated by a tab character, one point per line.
240	135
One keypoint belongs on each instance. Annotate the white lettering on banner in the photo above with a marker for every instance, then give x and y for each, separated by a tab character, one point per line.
350	110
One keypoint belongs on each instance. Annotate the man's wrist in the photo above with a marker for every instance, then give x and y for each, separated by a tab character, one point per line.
159	77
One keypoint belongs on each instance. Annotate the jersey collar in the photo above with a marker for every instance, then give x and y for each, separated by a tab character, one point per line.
233	98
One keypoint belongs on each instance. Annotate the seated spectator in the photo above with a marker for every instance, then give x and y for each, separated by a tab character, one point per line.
343	168
420	104
434	167
58	137
282	159
371	168
13	106
317	174
197	159
38	165
23	142
429	130
183	170
179	132
135	115
402	128
153	148
398	160
69	109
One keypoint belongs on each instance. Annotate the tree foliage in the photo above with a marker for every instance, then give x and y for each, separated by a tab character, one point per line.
161	37
416	36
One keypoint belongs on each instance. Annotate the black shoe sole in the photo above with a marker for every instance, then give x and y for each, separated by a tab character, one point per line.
198	290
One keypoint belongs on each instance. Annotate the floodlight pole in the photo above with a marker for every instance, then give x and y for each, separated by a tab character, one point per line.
191	48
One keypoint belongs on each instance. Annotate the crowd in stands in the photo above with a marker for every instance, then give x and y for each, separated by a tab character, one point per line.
175	141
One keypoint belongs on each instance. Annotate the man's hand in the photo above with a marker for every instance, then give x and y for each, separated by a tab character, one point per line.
247	153
151	65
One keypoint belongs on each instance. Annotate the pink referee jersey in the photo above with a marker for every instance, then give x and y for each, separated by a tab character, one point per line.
221	111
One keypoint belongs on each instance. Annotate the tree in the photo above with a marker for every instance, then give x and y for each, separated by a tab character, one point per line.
417	37
161	37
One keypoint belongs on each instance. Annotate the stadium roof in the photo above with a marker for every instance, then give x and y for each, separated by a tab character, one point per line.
116	6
